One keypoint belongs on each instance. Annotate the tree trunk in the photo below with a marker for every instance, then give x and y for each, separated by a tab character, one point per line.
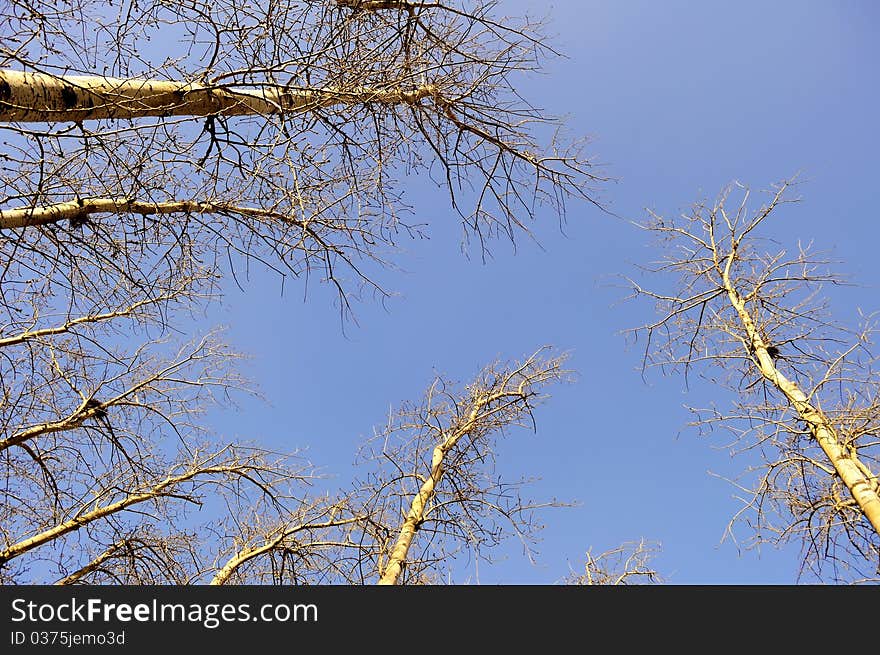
43	98
846	463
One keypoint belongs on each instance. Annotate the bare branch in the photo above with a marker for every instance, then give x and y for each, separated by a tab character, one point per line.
806	387
626	564
436	485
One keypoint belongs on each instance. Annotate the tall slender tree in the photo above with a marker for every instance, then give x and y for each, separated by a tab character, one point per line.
751	317
278	129
147	143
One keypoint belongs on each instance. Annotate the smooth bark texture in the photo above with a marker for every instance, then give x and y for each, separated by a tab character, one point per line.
39	97
484	408
416	513
272	543
855	475
805	384
81	210
165	487
80	573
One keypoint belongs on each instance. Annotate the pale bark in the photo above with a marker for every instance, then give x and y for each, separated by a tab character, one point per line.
78	575
81	520
69	325
40	97
416	513
75	420
80	210
861	482
246	554
86	411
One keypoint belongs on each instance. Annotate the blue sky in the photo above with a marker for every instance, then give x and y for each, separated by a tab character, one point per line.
680	99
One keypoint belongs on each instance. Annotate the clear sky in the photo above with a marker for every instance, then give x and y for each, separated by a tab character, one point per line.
680	98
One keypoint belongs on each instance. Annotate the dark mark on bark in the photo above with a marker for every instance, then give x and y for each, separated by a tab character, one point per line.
68	97
5	94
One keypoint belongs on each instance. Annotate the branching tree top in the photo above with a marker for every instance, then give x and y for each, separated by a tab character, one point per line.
744	313
281	130
145	143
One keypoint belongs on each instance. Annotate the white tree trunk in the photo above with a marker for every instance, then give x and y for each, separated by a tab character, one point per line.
43	98
861	483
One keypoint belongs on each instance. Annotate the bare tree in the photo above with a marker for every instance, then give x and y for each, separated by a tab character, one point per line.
279	130
430	492
436	491
626	564
432	495
110	475
102	441
148	148
751	317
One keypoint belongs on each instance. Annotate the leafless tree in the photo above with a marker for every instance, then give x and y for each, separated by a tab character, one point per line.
109	475
105	457
626	564
145	145
430	491
195	131
436	492
756	320
432	495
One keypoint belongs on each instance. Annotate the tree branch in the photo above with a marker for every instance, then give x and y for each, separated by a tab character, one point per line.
43	98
